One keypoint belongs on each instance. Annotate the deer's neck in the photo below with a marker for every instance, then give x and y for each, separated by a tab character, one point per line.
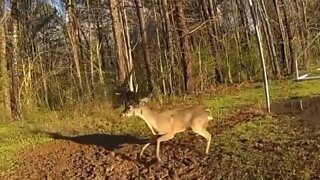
149	117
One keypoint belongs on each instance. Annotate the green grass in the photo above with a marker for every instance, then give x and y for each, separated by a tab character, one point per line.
97	117
13	138
271	148
254	94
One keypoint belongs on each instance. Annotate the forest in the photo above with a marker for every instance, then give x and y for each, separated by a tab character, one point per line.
68	69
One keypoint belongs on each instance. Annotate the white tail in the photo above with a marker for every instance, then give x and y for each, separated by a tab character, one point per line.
210	114
170	122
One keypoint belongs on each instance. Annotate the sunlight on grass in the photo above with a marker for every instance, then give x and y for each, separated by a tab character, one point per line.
13	139
254	94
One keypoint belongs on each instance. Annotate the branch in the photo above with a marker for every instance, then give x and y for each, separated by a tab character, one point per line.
4	18
198	27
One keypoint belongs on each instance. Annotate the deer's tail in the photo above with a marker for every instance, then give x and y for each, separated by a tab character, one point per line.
210	114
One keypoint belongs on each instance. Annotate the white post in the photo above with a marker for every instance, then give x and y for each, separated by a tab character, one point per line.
297	69
256	26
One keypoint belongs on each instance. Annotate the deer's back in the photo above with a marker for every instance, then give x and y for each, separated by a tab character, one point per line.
186	117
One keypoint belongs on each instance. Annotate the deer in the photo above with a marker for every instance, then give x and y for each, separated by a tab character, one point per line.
170	122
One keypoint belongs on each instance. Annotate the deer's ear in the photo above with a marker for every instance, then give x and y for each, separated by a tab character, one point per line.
143	100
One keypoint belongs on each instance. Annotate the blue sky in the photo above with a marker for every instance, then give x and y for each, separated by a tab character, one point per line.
57	4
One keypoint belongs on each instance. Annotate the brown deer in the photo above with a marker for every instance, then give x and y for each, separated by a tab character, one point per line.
167	123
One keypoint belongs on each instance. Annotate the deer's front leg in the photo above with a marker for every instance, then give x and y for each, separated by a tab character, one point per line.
162	138
151	128
144	148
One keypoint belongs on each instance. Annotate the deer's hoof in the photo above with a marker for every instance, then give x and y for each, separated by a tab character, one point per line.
140	156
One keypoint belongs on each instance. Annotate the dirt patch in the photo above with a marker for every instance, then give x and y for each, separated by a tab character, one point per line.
68	159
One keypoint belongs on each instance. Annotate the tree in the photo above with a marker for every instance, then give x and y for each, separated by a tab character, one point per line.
184	44
4	74
283	42
146	53
73	33
118	39
210	14
290	36
15	97
269	38
169	41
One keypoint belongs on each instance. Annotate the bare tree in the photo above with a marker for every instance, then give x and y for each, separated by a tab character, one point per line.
283	42
73	34
168	40
163	75
128	48
146	53
258	34
184	44
4	74
118	39
15	97
210	13
269	38
290	35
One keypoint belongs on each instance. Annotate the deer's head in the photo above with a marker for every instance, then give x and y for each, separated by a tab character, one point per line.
134	109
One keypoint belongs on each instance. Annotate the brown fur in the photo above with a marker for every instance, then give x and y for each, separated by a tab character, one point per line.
170	122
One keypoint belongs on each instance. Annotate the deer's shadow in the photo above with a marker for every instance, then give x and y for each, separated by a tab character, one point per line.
107	141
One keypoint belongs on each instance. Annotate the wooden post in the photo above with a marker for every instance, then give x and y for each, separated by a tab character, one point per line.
258	34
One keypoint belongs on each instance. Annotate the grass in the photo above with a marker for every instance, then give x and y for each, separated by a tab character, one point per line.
254	94
98	117
14	138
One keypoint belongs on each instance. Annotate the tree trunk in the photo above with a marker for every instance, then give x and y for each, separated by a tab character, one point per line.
237	40
283	51
127	46
4	74
91	47
306	30
146	53
289	29
211	9
270	39
226	51
184	44
244	22
73	36
162	75
301	31
118	39
258	34
15	98
169	42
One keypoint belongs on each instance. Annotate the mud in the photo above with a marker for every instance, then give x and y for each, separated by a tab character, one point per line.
77	159
307	109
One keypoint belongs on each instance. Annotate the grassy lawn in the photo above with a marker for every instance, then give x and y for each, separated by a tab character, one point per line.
282	135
